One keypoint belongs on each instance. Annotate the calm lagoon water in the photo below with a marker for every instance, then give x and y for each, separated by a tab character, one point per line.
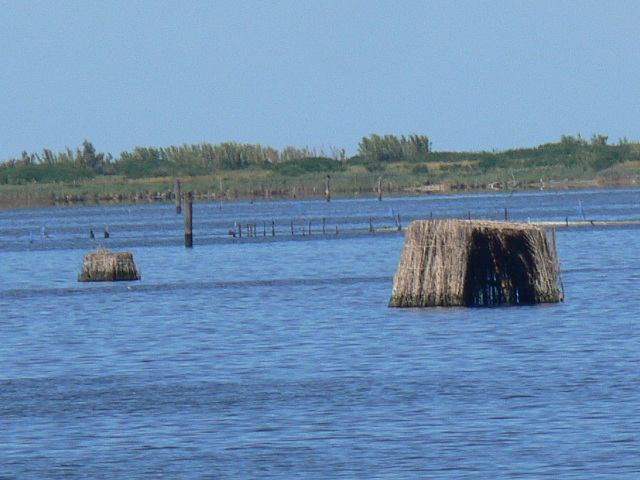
277	356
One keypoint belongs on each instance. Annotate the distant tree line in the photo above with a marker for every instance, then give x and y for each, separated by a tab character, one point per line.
570	151
50	167
389	148
148	162
375	152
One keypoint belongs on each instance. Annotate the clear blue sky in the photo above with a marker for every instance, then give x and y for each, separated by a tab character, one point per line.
472	75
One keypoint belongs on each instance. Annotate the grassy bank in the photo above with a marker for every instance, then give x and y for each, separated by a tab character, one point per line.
395	165
257	184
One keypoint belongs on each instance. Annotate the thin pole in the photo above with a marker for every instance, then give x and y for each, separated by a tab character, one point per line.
176	191
188	221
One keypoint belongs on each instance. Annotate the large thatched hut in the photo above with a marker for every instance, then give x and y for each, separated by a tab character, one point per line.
476	263
102	265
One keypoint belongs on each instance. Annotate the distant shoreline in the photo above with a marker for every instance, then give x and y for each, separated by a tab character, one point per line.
385	165
43	195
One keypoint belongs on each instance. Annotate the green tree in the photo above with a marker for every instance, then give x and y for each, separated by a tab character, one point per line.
390	148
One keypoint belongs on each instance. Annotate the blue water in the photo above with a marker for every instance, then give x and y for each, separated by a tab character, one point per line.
277	356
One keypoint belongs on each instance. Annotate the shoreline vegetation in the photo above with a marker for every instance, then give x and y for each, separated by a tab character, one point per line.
383	166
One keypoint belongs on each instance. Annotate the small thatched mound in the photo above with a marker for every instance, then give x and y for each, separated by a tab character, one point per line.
105	266
476	263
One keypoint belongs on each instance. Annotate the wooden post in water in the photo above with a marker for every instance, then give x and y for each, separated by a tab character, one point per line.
188	221
309	227
324	224
370	225
506	214
379	188
273	228
291	227
178	195
327	190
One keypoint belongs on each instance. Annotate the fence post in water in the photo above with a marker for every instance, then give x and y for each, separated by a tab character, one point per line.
291	227
328	188
379	188
188	221
324	224
370	224
240	230
506	214
176	192
309	227
273	228
264	229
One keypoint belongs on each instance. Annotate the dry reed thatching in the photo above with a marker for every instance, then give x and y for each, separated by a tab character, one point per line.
476	263
102	265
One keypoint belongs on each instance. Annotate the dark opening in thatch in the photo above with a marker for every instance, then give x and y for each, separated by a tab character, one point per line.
105	266
476	263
